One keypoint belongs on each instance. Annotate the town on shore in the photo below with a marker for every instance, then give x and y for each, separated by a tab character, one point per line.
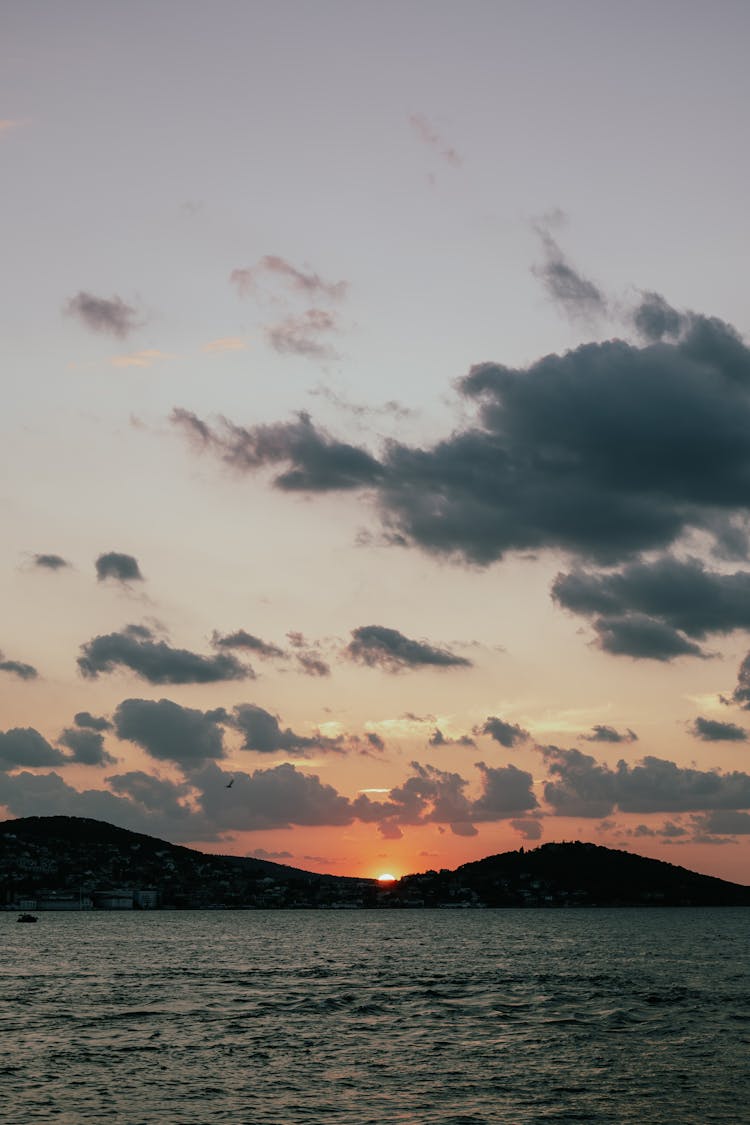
73	863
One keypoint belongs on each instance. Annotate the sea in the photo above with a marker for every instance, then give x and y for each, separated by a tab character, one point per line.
386	1017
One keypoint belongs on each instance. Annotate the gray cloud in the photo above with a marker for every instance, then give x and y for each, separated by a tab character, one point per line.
602	733
604	452
241	639
311	664
262	732
111	316
724	822
25	746
301	334
741	694
301	281
123	568
655	319
169	732
507	734
87	747
279	797
317	462
157	662
18	668
437	738
507	792
50	562
381	647
261	853
711	730
581	786
88	721
429	136
154	793
643	638
564	284
529	829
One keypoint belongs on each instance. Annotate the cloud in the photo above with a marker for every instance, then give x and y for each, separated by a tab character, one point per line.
262	732
157	662
711	730
50	562
111	316
25	746
317	462
154	793
278	797
241	639
261	853
507	791
381	647
602	733
604	452
643	638
507	734
581	786
311	665
300	335
429	136
123	568
88	721
529	829
437	738
146	357
724	822
741	694
87	746
18	668
659	603
655	319
170	732
575	293
272	267
226	344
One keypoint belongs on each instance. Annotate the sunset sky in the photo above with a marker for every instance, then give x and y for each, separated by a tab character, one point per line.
376	427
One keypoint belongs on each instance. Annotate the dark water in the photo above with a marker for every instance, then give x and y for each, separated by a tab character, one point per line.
269	1018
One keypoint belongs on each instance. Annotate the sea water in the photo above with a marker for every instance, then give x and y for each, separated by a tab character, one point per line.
390	1016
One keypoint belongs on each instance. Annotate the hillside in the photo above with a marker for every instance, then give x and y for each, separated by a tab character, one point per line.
48	856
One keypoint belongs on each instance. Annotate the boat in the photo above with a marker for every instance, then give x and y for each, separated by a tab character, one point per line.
26	918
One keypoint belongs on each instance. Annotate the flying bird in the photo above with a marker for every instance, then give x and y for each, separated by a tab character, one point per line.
230	783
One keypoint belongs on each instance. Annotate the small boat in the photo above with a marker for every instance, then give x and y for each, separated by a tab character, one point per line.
26	918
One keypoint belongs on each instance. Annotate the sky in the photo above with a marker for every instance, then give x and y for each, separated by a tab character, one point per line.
376	426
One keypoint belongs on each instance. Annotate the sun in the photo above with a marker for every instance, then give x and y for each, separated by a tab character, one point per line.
386	878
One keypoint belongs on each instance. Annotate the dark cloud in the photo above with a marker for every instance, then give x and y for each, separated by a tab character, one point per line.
87	747
507	734
529	829
437	738
279	797
670	599
429	136
301	334
244	640
655	319
711	730
153	793
381	647
724	822
311	664
317	462
134	647
169	732
564	284
50	562
18	668
88	721
111	316
375	740
123	568
507	792
604	452
602	733
273	267
581	786
643	638
24	746
667	831
741	694
261	853
263	733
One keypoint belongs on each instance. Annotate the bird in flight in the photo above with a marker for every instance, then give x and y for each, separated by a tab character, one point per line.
230	783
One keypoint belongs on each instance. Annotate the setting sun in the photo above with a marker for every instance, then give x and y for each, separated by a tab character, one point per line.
385	878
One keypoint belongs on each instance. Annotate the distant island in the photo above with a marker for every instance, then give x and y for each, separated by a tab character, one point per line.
74	863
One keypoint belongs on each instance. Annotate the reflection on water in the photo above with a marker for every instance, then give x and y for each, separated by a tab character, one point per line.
417	1017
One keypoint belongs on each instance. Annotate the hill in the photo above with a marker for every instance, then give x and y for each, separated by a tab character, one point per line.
45	857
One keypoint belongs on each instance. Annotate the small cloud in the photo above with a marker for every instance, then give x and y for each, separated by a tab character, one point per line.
50	562
300	335
603	733
123	568
312	665
711	730
226	344
380	647
530	829
437	738
111	316
87	721
147	357
241	639
261	853
18	668
136	649
570	289
429	136
507	734
301	281
87	747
